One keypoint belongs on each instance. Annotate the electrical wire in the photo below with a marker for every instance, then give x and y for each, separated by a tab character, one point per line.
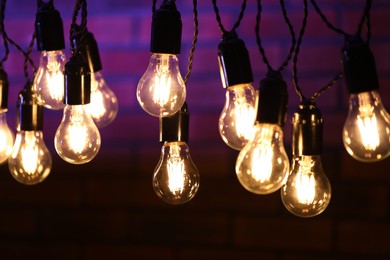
78	32
3	34
219	21
194	41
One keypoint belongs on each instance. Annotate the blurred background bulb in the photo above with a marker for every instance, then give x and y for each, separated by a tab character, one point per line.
49	80
30	161
366	132
104	104
262	165
238	115
161	91
77	139
176	178
6	138
307	191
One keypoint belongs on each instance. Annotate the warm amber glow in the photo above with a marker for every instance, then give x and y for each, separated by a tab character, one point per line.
369	132
162	82
77	137
30	154
244	114
262	163
96	108
176	171
55	82
305	185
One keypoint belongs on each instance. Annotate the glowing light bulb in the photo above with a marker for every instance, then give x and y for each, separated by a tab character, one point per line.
238	115
77	139
161	91
104	104
49	81
366	132
6	138
176	178
262	165
30	161
307	191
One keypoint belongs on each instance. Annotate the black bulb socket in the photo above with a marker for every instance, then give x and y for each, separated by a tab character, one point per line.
49	28
29	114
77	82
359	66
4	84
234	63
166	29
175	128
307	126
273	99
90	52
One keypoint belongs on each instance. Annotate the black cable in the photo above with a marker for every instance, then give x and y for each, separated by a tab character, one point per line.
218	17
75	33
327	86
293	39
194	41
365	17
3	34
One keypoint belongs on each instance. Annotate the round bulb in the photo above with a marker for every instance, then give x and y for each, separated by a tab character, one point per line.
262	165
30	160
77	139
49	80
238	115
307	191
6	138
104	104
161	91
176	178
366	133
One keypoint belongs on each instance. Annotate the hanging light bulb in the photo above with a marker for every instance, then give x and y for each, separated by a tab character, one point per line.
30	161
49	80
161	91
366	132
307	191
6	135
176	178
239	113
262	165
104	104
77	139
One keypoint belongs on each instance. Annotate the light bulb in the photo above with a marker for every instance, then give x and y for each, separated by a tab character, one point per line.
366	132
161	91
307	191
176	178
262	165
30	161
238	115
49	80
6	138
104	104
77	139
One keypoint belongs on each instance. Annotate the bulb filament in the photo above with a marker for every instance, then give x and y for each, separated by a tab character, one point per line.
305	182
162	81
176	171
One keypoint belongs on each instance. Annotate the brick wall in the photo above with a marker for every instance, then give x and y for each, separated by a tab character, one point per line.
107	208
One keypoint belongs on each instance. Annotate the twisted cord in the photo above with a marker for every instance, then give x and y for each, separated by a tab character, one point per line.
3	33
293	38
219	21
27	57
327	86
194	41
75	34
258	38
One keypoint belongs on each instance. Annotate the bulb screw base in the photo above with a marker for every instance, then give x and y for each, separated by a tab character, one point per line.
77	82
49	28
234	62
307	126
359	66
175	128
273	98
29	115
4	84
166	29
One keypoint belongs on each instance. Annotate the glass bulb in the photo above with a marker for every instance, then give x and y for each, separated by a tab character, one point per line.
176	178
77	139
238	115
161	91
262	165
366	133
6	138
104	104
30	160
49	80
307	191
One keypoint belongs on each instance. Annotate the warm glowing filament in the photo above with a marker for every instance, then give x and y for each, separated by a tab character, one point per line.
369	132
176	174
244	114
55	80
262	163
3	140
77	135
29	154
162	81
96	107
305	187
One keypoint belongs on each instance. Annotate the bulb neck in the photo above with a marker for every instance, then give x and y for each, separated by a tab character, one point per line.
90	52
49	28
359	66
29	115
77	82
166	29
234	63
175	128
307	126
273	98
4	84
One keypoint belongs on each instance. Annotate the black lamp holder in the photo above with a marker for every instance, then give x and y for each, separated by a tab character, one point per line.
77	81
175	128
29	115
4	83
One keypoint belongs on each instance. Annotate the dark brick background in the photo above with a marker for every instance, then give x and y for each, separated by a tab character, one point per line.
107	209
